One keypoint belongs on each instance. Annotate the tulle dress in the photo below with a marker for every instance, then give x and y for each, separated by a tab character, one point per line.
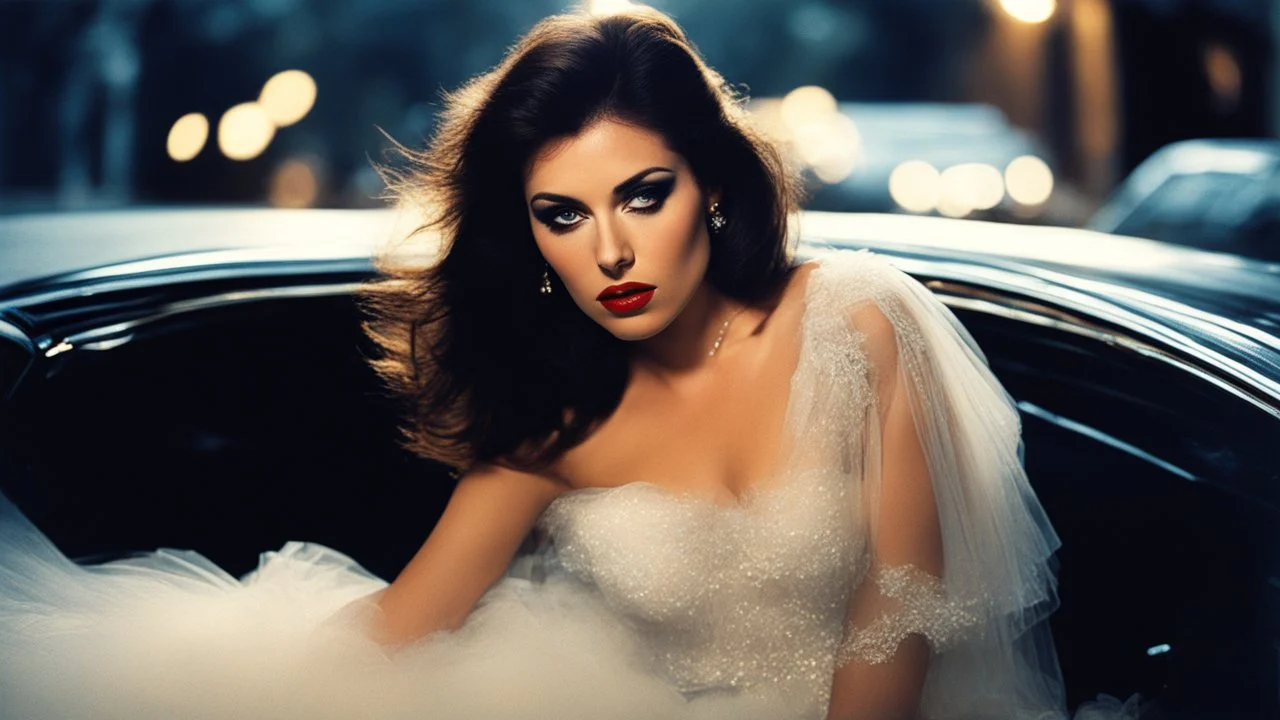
644	603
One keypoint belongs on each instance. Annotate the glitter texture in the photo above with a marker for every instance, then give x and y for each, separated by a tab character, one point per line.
920	606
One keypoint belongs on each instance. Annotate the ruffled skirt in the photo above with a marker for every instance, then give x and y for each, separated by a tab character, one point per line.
169	634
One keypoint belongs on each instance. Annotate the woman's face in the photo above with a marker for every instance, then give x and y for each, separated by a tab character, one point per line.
613	205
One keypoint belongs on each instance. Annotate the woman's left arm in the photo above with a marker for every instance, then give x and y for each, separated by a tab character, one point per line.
885	666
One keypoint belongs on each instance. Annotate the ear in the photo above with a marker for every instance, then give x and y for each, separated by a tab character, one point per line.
714	195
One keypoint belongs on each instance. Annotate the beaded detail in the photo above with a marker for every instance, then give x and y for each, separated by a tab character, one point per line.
733	597
920	606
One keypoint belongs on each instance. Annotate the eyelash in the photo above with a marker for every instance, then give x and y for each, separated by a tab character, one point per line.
657	191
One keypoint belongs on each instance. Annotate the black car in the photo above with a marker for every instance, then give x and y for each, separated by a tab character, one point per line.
1219	195
198	379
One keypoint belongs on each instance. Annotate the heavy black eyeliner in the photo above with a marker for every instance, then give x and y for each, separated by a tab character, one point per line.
547	217
660	190
627	187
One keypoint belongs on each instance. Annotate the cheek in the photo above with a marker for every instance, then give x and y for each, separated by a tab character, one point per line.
689	249
680	231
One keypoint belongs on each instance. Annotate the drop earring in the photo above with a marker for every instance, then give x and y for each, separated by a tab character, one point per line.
546	281
718	220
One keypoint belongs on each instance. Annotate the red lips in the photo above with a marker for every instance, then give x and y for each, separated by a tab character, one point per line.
625	298
623	289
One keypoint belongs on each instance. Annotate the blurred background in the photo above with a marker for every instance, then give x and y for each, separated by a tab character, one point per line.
1060	112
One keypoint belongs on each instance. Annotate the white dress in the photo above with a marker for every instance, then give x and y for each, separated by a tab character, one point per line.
644	603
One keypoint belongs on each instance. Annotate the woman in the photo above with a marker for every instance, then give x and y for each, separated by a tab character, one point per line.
763	490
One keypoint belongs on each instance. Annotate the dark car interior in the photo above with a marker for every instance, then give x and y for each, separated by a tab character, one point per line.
238	427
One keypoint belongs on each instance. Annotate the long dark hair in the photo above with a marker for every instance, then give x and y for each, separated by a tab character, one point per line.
490	369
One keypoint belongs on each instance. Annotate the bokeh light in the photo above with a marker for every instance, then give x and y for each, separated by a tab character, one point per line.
1030	11
953	205
1223	73
245	131
806	104
767	114
187	137
916	186
830	145
287	97
976	186
294	184
1029	180
823	138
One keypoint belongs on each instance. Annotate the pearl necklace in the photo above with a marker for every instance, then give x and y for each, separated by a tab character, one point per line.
723	329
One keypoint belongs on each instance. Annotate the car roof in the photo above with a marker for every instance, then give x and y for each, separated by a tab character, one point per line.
1195	300
1242	289
39	249
45	249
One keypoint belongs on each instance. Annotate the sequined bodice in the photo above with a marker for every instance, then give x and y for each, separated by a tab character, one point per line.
727	598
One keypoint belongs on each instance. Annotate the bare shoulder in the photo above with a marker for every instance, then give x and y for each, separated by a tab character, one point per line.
879	335
860	302
800	277
859	283
535	488
878	341
795	289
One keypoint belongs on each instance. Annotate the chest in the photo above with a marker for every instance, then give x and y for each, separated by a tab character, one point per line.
676	560
713	437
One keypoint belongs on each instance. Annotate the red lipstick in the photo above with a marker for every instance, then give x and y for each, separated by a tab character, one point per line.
625	298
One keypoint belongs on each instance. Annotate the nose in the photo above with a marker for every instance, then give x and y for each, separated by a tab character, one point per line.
613	251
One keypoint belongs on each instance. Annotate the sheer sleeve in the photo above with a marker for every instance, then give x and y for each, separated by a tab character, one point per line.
956	574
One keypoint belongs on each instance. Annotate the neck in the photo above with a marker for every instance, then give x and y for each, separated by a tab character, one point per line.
683	346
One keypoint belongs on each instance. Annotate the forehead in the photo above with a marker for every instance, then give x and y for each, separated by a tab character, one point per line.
599	156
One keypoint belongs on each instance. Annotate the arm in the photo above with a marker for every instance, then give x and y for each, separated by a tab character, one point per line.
949	617
883	678
489	514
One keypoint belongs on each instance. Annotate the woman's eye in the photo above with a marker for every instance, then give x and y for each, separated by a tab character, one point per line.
643	200
559	219
650	197
565	218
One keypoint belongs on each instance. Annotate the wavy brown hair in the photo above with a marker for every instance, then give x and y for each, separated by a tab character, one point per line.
491	370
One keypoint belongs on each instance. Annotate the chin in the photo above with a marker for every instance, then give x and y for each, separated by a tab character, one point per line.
636	327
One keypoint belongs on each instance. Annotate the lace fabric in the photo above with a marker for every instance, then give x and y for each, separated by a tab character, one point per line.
956	546
916	603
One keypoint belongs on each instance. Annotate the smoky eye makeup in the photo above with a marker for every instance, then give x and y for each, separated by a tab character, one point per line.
644	197
651	195
558	217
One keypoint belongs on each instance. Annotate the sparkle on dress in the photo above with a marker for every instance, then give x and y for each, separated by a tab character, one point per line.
920	606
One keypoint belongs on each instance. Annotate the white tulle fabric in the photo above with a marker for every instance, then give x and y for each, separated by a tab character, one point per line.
643	604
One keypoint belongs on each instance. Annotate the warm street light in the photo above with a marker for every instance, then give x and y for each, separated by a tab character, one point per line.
1029	11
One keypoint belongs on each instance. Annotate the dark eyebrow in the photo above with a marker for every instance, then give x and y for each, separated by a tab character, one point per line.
621	189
